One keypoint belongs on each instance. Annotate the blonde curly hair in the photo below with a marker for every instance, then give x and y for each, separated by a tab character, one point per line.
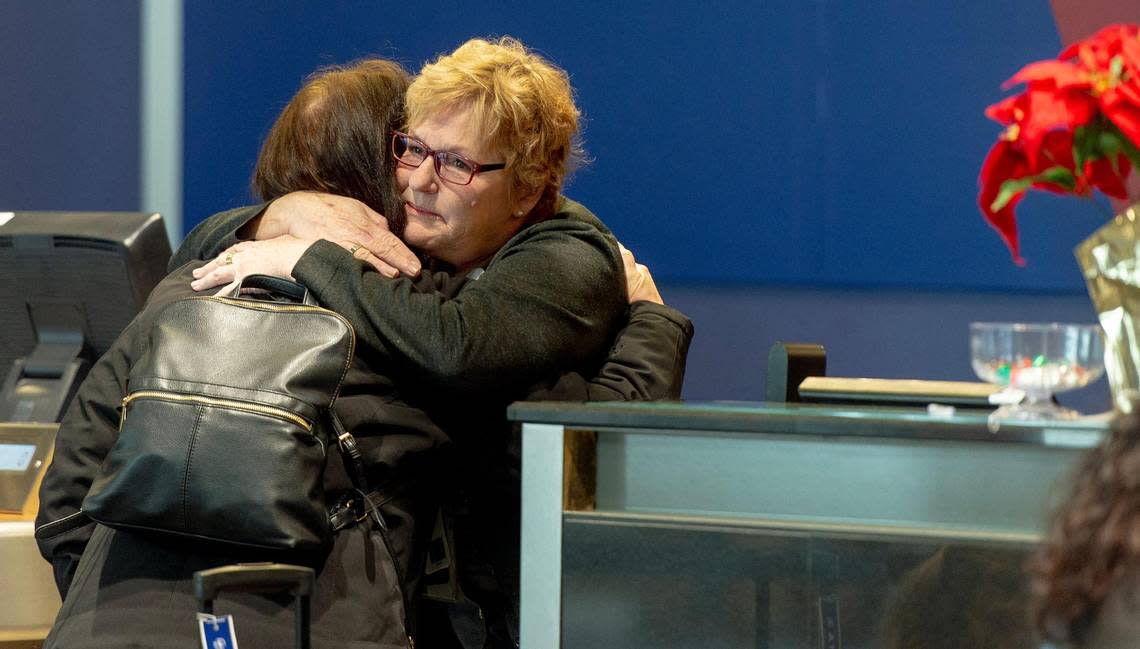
521	103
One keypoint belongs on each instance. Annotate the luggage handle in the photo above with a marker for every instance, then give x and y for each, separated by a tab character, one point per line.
287	288
259	578
253	577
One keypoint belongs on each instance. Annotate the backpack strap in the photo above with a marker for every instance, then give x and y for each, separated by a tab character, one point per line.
364	503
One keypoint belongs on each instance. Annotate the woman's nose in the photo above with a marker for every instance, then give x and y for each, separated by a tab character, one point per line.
423	177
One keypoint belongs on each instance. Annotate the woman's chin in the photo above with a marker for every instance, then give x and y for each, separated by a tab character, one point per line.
419	237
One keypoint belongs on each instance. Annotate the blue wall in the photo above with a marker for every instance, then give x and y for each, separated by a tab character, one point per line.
789	170
69	114
818	143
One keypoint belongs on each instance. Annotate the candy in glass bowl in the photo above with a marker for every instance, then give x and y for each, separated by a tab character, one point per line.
1040	360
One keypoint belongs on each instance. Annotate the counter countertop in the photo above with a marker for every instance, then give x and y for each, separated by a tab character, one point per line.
809	419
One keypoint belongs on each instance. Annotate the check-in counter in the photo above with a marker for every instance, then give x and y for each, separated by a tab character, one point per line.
29	600
781	525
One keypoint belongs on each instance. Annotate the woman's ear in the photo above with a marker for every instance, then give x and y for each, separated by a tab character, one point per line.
524	204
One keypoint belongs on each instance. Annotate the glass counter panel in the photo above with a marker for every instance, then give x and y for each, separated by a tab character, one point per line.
967	485
627	585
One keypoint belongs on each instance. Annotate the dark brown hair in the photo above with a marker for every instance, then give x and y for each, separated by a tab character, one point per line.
1094	541
333	137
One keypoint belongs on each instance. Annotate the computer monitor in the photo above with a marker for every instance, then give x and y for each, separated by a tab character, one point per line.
69	283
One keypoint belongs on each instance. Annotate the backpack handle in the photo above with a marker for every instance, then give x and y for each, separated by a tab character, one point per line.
280	286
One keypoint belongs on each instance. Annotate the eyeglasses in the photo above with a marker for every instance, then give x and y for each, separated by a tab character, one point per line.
451	167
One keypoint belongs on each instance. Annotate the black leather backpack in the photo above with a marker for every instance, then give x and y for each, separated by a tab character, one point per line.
228	416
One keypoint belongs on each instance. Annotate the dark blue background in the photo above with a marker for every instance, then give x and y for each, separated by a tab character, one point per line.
800	170
69	109
808	142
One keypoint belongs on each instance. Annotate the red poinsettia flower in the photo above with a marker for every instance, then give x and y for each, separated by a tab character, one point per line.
1097	51
1074	128
1108	175
1053	170
1130	51
1110	59
1057	96
1121	105
1004	161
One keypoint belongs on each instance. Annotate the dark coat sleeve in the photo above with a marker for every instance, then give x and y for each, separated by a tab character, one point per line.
549	300
210	237
86	434
645	363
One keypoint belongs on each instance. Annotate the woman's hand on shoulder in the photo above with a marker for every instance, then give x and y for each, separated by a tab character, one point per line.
345	221
275	257
638	281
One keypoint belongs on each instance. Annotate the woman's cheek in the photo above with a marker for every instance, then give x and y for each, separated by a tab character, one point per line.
402	176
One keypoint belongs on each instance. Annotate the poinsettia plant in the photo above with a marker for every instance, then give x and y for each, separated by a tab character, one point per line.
1074	129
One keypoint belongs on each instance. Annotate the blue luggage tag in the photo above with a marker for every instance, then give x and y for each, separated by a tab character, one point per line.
217	631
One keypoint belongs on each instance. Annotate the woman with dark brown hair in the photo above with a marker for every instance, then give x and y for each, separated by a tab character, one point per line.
330	138
125	588
1086	576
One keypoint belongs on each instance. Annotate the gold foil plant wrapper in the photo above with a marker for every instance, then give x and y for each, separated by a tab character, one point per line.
1109	261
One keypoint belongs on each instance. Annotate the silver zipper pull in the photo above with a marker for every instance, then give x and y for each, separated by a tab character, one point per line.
123	412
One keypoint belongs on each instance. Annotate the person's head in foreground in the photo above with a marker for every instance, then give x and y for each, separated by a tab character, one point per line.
1087	573
490	134
334	136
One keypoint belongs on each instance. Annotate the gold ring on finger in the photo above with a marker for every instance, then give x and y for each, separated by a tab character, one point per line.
229	258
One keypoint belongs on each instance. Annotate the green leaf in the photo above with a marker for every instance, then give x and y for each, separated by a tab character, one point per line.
1010	189
1110	143
1116	66
1085	140
1057	176
1128	147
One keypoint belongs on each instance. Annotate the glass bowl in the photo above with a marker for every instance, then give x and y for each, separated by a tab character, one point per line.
1040	360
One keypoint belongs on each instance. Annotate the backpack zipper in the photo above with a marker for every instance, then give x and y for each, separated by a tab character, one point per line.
232	404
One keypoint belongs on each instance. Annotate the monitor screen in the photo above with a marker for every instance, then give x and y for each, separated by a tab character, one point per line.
67	277
16	457
24	451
